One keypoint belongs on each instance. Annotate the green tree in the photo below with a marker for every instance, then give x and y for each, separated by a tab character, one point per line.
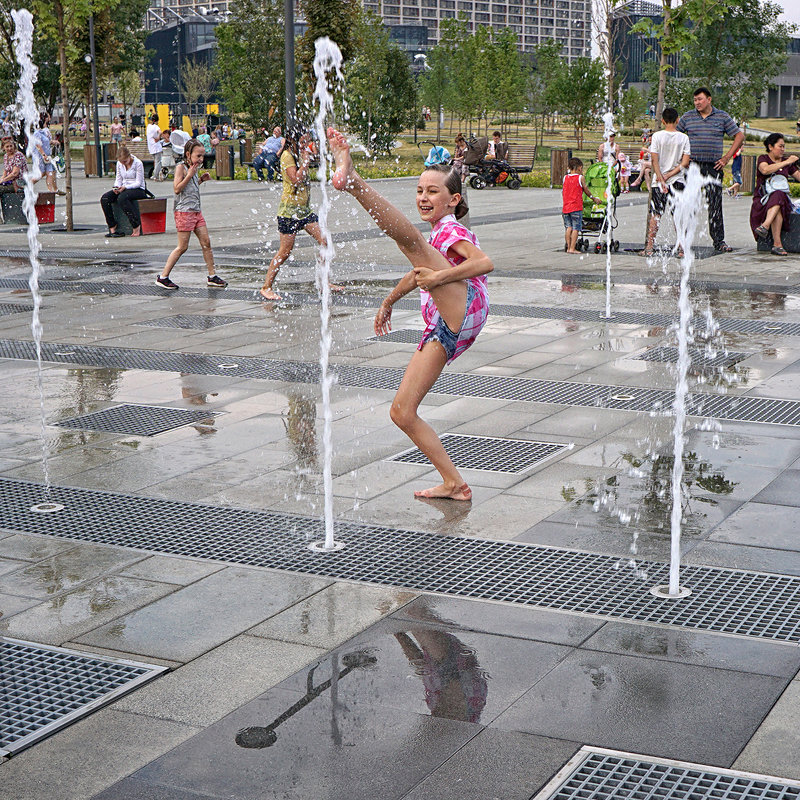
380	90
435	83
127	89
678	29
197	80
634	106
249	64
544	86
580	90
738	57
509	73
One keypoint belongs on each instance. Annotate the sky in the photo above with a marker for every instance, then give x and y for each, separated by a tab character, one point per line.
791	11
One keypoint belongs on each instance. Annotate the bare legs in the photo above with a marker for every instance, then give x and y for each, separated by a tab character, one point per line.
774	223
571	237
285	246
427	364
183	246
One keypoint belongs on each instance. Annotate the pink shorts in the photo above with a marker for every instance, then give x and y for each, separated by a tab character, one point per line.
189	221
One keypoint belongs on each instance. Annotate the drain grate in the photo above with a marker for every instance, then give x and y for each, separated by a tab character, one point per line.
195	322
404	335
700	357
14	308
724	600
137	420
629	398
487	453
47	688
604	774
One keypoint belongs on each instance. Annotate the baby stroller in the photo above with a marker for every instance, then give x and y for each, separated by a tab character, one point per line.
598	216
436	155
172	154
488	172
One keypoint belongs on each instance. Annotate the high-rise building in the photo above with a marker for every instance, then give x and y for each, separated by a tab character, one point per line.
534	21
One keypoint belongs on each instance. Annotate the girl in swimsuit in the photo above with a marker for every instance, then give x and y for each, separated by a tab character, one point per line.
450	270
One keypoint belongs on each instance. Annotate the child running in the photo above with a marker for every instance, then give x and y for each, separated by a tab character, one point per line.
449	269
188	216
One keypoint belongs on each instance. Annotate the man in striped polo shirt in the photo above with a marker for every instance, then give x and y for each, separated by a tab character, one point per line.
706	127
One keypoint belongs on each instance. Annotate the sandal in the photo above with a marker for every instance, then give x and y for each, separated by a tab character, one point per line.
761	232
778	251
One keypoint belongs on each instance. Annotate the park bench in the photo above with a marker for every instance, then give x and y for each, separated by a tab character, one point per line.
138	149
522	156
13	214
153	213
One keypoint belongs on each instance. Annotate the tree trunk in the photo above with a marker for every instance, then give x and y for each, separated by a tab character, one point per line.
62	58
662	67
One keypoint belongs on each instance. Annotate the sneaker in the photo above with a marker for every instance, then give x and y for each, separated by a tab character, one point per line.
216	281
721	247
166	283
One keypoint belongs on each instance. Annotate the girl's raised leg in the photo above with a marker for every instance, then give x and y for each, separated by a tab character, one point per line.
424	368
450	298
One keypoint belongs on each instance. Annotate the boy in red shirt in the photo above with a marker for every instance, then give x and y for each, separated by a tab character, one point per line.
572	209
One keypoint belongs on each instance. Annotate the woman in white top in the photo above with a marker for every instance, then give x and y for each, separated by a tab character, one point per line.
128	187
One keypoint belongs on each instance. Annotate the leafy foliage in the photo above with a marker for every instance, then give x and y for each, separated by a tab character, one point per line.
579	89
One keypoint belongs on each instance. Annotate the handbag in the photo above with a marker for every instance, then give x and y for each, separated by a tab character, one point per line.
776	183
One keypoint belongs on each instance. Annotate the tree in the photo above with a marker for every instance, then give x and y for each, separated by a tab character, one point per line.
510	75
435	83
634	106
738	58
604	17
128	88
250	65
545	81
197	80
676	32
381	93
580	89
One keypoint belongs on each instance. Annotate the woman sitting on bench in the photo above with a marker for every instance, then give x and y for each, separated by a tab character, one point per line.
14	167
128	188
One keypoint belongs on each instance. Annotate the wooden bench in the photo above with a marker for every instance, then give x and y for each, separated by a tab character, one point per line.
138	149
522	156
153	213
13	213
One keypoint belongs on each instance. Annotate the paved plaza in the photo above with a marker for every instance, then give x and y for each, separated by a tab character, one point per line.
450	651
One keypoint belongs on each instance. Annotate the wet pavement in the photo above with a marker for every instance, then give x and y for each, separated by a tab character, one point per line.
290	685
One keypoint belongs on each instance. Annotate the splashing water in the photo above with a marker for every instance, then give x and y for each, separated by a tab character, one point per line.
23	43
608	150
686	212
327	59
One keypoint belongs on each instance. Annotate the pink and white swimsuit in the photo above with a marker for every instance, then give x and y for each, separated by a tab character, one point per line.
447	232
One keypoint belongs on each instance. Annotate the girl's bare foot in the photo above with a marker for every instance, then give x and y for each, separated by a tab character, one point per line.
334	287
462	492
137	231
345	171
268	294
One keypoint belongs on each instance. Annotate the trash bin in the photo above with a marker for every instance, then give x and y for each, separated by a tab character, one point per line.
748	174
559	159
89	161
245	151
224	161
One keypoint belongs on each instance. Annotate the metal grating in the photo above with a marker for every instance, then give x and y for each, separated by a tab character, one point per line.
700	357
601	775
630	398
487	453
195	322
14	308
43	689
404	335
758	326
137	420
730	601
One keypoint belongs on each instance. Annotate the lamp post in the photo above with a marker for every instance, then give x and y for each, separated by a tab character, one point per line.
90	59
419	66
288	58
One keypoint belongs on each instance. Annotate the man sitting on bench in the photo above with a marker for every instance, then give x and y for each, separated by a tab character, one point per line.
128	188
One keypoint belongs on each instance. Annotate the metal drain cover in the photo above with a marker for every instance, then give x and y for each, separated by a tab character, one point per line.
598	774
404	335
195	322
487	453
699	356
13	308
137	420
44	689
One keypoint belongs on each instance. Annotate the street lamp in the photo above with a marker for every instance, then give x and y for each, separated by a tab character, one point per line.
420	65
90	59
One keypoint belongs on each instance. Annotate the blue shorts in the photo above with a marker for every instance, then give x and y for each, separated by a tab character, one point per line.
291	225
573	220
442	333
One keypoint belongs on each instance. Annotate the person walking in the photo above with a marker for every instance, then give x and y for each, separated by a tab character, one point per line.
154	146
116	131
450	270
294	211
706	128
42	153
128	188
188	216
